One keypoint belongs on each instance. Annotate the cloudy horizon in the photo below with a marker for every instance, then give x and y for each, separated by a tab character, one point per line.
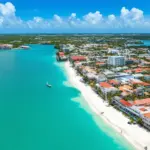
129	20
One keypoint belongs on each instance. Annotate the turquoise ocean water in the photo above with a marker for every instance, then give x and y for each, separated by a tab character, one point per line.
34	117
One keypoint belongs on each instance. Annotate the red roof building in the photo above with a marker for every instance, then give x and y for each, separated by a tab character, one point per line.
143	109
138	70
105	85
78	58
142	102
61	54
147	115
125	103
113	82
140	83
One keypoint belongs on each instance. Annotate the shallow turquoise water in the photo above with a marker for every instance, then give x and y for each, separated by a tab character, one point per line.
145	43
34	117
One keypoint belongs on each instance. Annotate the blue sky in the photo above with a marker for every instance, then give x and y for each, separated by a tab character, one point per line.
46	8
75	16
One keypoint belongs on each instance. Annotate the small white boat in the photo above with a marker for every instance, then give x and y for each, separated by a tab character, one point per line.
48	85
24	47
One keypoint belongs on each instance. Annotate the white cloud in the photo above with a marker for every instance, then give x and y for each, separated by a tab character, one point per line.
137	14
93	18
129	20
73	15
73	21
8	18
112	17
124	12
134	14
38	19
58	19
38	23
1	20
7	9
133	18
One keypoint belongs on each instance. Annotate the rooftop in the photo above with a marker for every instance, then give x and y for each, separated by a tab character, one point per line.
61	53
142	102
115	82
78	58
105	85
147	115
125	88
125	103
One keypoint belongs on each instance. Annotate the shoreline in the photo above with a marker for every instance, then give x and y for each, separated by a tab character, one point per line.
110	115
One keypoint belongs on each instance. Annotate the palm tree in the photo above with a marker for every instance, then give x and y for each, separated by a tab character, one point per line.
109	98
85	79
140	121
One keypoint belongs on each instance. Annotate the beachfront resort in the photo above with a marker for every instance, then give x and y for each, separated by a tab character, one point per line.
119	75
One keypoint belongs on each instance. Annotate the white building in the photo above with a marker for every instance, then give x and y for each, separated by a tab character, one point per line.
137	111
91	76
146	120
116	60
113	51
66	48
6	46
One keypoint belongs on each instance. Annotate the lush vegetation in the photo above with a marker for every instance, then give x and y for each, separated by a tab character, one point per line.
113	40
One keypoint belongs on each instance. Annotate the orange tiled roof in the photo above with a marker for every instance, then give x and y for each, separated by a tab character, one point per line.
147	115
105	85
142	102
138	70
125	88
125	103
143	109
140	82
115	82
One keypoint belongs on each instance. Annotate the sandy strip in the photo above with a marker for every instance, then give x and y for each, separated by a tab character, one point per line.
137	136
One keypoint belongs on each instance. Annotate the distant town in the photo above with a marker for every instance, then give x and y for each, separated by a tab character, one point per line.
116	67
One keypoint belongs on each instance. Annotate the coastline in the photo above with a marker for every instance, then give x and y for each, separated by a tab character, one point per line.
111	116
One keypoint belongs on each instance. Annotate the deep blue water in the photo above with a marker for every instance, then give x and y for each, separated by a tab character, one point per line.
34	117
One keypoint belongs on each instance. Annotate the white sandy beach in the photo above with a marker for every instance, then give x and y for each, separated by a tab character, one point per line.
137	136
